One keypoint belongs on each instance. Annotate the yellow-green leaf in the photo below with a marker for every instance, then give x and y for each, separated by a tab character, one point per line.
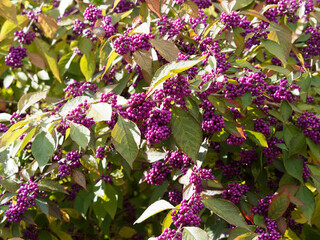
8	11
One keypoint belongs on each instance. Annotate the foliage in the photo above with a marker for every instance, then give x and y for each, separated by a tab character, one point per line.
149	119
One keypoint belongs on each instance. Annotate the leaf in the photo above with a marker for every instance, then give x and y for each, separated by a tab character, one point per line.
65	62
43	147
227	211
90	163
30	99
170	70
275	49
153	209
144	60
8	27
51	186
166	49
154	6
63	6
279	204
80	134
9	138
36	60
241	4
87	65
50	57
194	233
306	196
153	156
126	138
8	11
111	205
186	131
190	8
79	178
100	112
294	167
116	2
281	34
314	148
73	103
247	236
254	13
113	55
279	69
48	24
257	137
44	207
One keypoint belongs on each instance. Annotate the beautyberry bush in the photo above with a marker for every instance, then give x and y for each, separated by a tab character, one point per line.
148	119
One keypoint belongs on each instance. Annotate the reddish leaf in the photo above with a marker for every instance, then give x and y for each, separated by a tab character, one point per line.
279	205
292	189
296	201
282	225
154	6
79	178
36	60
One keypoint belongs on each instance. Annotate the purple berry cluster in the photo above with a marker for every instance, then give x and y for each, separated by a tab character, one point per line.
139	108
170	234
31	232
175	197
235	192
92	14
155	129
130	43
310	125
100	153
170	27
25	37
3	127
211	122
71	161
76	89
25	199
158	173
15	56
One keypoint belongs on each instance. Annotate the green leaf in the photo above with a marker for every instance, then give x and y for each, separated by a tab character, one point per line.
30	99
227	211
279	205
315	149
126	138
153	209
254	13
90	163
111	205
65	62
297	144
100	112
275	49
235	232
9	138
170	70
306	196
194	233
87	65
44	207
257	137
51	186
168	50
285	110
50	56
8	27
247	236
246	100
186	132
278	69
8	11
241	4
43	147
80	134
294	167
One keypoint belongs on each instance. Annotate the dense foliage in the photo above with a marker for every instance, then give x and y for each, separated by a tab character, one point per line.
148	119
